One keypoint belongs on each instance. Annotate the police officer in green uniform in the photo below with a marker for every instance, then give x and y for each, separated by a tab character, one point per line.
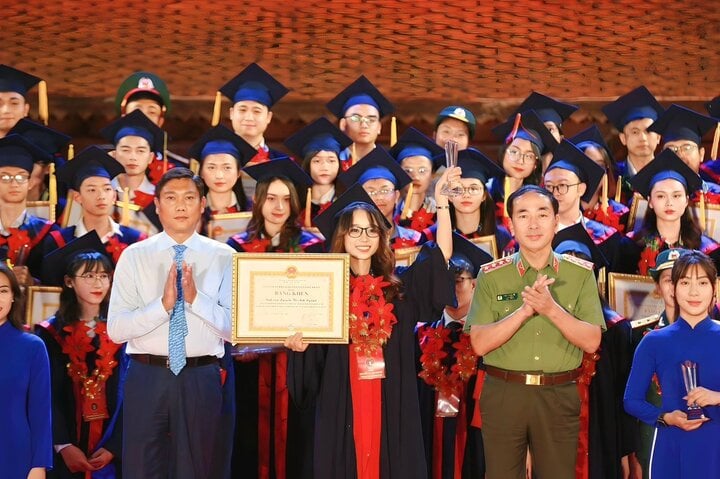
532	316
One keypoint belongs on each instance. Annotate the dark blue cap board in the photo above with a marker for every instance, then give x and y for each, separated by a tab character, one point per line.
474	164
14	80
135	123
51	141
320	135
467	251
254	84
591	136
221	139
546	108
575	239
18	152
90	162
458	113
635	105
667	165
531	128
359	92
413	143
713	107
378	164
328	219
56	262
680	123
569	157
280	168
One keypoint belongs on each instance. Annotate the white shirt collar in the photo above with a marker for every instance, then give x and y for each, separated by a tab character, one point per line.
81	230
15	224
447	319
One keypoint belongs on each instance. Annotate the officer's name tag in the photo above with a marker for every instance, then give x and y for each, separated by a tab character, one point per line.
507	297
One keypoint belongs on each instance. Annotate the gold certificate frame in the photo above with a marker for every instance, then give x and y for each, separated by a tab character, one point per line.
488	244
222	226
406	256
633	296
278	294
43	302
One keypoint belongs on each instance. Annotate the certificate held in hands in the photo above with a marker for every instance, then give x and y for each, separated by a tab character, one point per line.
278	294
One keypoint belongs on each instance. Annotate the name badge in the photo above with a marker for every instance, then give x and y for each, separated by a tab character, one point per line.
507	297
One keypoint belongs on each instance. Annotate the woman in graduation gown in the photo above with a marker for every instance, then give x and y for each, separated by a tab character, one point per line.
684	447
26	439
86	366
318	147
667	182
473	212
368	419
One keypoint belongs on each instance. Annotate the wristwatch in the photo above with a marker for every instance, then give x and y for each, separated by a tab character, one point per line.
660	421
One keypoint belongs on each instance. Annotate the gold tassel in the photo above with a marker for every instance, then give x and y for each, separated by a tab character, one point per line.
165	155
308	208
618	189
393	131
43	110
703	221
216	109
194	166
52	185
604	194
354	154
716	140
125	215
506	190
406	209
71	152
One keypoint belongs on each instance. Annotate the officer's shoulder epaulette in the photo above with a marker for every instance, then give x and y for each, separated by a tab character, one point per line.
498	263
644	322
579	261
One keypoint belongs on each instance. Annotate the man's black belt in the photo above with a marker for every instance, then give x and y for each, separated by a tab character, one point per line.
164	361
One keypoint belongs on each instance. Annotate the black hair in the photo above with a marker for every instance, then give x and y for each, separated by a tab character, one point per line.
180	173
15	316
525	189
69	310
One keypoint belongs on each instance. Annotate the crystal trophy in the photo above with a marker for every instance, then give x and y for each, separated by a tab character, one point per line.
451	188
689	372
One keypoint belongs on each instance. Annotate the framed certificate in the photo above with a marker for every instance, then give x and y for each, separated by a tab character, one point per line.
488	244
633	296
41	209
43	302
278	294
406	256
223	226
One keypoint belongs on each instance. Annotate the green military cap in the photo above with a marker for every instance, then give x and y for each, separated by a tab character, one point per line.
142	85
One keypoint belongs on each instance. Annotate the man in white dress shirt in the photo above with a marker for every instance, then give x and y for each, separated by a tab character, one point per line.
170	302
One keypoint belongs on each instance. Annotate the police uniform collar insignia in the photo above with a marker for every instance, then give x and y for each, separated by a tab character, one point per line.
521	267
578	261
498	263
556	263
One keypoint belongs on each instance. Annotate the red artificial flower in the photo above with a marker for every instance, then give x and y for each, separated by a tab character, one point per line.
422	219
115	247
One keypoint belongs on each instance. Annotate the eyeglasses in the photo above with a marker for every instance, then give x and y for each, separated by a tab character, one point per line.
368	120
370	231
682	149
20	179
516	155
473	190
93	277
560	189
383	192
420	171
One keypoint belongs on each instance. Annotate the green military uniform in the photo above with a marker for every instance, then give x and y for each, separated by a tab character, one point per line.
517	415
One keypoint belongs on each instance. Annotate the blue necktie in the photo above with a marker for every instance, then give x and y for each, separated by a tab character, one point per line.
178	324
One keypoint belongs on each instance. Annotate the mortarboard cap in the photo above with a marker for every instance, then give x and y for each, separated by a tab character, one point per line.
667	165
221	139
90	162
637	104
531	128
467	251
16	81
713	107
458	113
254	84
569	157
359	92
49	140
414	143
142	85
680	123
135	123
280	168
591	137
665	260
18	152
56	262
546	108
575	239
474	164
320	135
328	219
378	164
